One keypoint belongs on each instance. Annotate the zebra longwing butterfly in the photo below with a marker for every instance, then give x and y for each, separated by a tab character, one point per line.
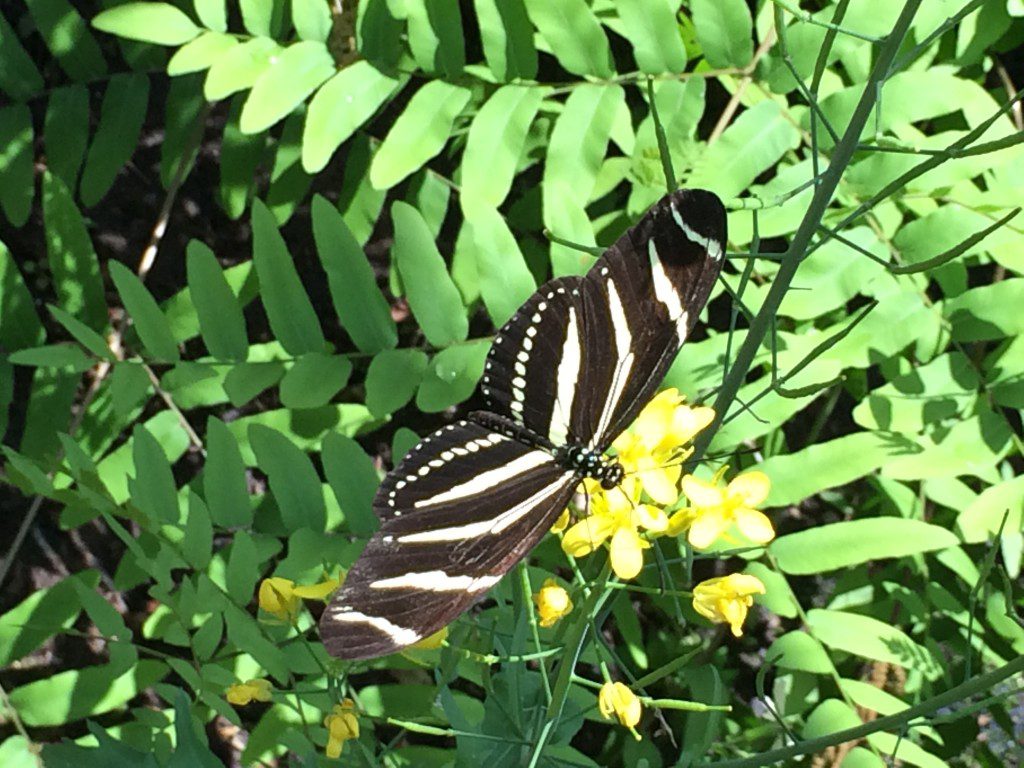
569	372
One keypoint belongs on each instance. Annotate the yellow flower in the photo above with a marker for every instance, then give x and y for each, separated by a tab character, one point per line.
617	515
552	603
616	700
281	598
655	446
726	599
713	510
341	725
277	597
241	694
562	522
431	642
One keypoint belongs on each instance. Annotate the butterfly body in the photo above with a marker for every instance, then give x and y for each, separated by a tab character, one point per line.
569	372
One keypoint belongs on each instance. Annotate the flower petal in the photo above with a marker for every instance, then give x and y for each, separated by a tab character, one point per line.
752	487
587	535
650	518
627	553
702	494
755	525
706	528
662	484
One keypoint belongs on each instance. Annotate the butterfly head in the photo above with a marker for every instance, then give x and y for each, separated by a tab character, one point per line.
592	464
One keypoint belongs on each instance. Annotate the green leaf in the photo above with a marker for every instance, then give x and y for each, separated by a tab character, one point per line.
505	279
432	296
240	155
213	14
799	651
452	376
53	356
800	475
66	132
293	479
239	68
19	323
574	35
17	179
650	25
153	490
292	75
435	37
970	447
41	615
497	138
121	117
419	133
392	379
242	571
201	53
982	518
244	632
150	22
288	181
190	749
507	37
724	31
73	262
747	148
197	542
220	315
870	638
150	323
379	34
362	309
354	480
19	77
314	379
340	107
289	310
224	478
79	693
578	145
943	389
981	313
852	542
312	19
66	35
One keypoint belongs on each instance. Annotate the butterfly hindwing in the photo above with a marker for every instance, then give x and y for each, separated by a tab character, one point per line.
461	509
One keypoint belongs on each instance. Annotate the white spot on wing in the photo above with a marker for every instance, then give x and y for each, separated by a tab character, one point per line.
489	479
437	581
566	378
398	635
713	247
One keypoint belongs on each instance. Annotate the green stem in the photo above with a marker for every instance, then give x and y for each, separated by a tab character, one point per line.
823	194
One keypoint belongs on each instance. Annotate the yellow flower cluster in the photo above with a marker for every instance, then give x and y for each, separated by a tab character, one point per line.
552	603
615	700
726	599
651	453
241	694
283	599
342	725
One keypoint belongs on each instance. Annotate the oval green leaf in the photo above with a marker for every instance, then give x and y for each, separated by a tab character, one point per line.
292	75
433	298
150	323
419	133
220	315
293	479
314	379
852	542
289	310
392	379
159	23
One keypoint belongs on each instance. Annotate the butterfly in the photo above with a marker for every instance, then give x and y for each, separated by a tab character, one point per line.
565	375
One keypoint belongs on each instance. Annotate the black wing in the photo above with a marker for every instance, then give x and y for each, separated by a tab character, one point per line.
583	355
460	510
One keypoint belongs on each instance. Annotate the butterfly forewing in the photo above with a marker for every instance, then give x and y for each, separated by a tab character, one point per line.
461	509
581	358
